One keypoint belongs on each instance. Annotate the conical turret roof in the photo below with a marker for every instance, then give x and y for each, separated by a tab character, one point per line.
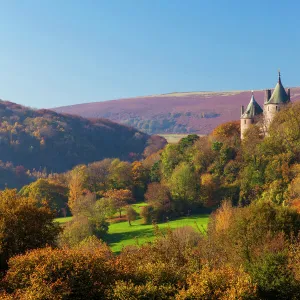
279	95
253	109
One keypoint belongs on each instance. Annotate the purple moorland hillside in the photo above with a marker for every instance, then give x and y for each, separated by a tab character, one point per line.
194	112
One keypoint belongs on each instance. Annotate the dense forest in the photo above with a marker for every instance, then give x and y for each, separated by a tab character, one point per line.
42	141
250	249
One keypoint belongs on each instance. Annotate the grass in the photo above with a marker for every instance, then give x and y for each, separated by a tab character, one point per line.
63	220
173	138
122	234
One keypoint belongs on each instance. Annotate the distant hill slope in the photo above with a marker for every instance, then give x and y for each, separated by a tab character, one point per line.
38	139
194	112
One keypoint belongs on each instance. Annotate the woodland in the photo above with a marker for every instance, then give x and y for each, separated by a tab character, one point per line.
35	142
250	248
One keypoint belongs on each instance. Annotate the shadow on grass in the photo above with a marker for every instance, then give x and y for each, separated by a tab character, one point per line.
114	238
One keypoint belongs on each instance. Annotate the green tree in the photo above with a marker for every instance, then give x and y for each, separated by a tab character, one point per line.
170	158
184	186
45	190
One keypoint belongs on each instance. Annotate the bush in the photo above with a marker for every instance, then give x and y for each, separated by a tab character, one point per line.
224	283
274	278
146	214
129	291
85	272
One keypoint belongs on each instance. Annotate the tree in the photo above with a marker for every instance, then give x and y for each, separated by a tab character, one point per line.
170	158
43	189
24	225
187	142
184	186
228	133
140	177
98	173
158	196
89	219
120	198
131	214
84	272
77	181
208	189
120	175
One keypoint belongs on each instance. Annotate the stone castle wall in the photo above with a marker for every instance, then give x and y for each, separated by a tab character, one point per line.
245	124
270	110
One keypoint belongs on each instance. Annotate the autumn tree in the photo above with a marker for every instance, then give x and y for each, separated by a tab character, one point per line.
158	196
140	177
228	133
89	219
131	214
98	175
86	271
120	198
77	181
24	225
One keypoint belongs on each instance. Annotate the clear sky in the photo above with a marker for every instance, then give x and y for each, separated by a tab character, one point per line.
61	52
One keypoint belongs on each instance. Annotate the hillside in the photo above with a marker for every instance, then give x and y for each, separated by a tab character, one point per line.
45	140
195	112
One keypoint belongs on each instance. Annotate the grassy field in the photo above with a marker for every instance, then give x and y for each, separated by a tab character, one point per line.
174	138
122	234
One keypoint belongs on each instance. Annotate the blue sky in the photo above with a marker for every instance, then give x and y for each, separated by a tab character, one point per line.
56	52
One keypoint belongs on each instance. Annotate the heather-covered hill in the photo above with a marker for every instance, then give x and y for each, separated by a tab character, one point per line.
195	112
46	140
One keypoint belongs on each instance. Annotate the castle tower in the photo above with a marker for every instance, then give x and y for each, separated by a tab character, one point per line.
249	115
274	102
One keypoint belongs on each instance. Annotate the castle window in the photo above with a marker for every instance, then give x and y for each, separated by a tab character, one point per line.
276	107
245	122
268	108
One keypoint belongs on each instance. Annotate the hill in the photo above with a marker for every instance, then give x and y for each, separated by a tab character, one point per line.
194	112
45	140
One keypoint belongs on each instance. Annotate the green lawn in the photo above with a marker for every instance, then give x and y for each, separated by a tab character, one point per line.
122	234
63	220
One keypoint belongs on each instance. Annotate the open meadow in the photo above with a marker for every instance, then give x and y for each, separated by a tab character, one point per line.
122	234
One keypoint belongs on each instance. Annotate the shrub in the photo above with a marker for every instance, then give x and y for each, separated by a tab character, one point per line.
223	283
146	214
129	291
84	272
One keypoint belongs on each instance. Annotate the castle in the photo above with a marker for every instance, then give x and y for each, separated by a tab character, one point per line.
272	104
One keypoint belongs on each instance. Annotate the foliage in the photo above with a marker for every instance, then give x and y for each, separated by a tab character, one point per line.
38	139
24	225
61	274
43	190
224	283
183	185
131	214
129	291
89	219
120	198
